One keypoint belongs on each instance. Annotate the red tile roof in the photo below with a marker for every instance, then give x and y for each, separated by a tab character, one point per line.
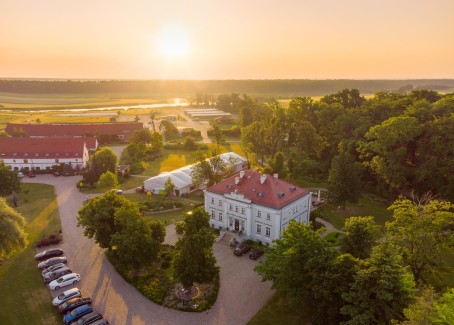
274	193
41	148
65	130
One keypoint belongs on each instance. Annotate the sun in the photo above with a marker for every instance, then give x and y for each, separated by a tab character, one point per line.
173	42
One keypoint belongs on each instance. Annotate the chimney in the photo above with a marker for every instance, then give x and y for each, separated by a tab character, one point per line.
262	179
275	175
237	180
242	174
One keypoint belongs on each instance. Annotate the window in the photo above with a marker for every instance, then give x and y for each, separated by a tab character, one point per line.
46	154
220	216
259	214
36	154
220	203
230	207
268	216
243	210
57	161
259	228
25	154
236	208
212	201
267	231
212	214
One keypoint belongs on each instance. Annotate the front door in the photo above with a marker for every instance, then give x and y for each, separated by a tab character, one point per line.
237	225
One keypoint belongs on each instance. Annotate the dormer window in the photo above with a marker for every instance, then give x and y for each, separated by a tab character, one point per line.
26	154
36	154
46	154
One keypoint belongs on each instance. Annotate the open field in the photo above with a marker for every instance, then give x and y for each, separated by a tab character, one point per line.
24	299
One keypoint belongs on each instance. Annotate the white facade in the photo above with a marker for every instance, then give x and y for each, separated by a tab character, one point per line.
37	163
260	223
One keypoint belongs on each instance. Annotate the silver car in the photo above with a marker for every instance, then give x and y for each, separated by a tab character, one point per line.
53	268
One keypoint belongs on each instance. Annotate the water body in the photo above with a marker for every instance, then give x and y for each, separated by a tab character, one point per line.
109	108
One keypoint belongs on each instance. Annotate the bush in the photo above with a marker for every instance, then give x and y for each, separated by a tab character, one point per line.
165	264
179	227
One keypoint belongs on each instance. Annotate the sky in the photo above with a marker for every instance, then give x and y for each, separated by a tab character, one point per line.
234	39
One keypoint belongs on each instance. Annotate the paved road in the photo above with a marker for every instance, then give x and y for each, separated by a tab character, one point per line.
241	294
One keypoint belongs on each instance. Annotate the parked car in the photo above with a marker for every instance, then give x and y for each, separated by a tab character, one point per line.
100	322
48	253
53	268
56	274
87	319
118	191
77	313
20	174
56	174
73	303
52	239
65	280
256	253
52	261
66	295
242	249
30	174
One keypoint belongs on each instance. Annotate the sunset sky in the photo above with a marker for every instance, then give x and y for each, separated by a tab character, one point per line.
234	39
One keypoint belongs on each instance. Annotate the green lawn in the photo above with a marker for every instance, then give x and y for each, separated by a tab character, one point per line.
24	299
277	311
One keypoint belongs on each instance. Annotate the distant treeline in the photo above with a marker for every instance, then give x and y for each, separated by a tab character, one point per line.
283	88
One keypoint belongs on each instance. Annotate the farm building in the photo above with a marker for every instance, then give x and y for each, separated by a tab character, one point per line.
182	179
121	130
206	113
40	154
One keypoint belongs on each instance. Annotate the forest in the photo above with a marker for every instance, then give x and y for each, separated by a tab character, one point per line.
182	88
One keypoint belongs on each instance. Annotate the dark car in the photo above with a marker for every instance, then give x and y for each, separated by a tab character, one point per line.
242	249
56	274
52	261
256	253
73	303
30	174
77	313
100	322
140	189
48	253
88	319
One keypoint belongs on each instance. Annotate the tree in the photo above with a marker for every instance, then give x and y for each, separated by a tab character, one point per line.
156	141
420	228
419	312
253	139
133	245
297	259
277	165
208	170
97	217
381	289
189	143
344	179
217	133
169	186
108	181
361	234
106	160
12	230
142	135
194	260
9	180
443	311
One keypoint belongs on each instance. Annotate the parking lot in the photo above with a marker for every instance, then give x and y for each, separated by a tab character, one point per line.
241	293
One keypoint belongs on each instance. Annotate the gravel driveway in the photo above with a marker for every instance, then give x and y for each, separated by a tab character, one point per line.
241	294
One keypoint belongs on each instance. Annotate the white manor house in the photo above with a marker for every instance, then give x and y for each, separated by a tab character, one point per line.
257	205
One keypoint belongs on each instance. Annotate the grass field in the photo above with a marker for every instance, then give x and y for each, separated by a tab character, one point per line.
24	299
277	311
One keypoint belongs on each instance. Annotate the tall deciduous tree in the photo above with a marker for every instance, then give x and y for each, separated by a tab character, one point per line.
218	135
108	181
134	245
169	186
296	261
12	230
142	135
381	289
420	228
208	170
194	260
106	160
9	181
277	165
344	179
361	234
97	217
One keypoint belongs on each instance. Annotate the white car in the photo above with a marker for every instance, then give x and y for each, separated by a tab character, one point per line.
20	174
64	281
68	294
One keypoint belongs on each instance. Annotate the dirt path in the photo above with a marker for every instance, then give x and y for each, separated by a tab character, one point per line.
241	294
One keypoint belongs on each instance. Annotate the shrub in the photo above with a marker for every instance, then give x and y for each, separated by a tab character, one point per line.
165	264
179	227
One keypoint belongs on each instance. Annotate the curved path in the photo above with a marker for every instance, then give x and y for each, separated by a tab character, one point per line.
241	294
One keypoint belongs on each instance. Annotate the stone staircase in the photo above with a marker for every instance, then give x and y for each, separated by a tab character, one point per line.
225	238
